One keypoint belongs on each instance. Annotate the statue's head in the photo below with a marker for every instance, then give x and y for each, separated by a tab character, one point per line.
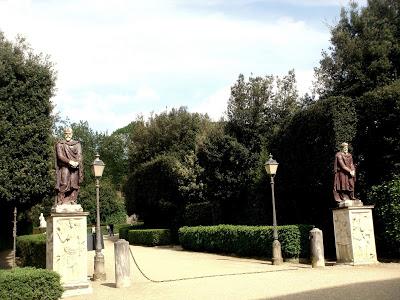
344	147
68	134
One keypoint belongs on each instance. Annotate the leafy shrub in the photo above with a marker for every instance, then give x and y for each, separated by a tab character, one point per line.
386	198
29	284
149	237
246	240
198	214
31	249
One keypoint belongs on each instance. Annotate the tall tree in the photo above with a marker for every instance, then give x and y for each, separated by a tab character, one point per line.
27	83
365	51
114	149
226	176
258	107
248	110
163	172
169	132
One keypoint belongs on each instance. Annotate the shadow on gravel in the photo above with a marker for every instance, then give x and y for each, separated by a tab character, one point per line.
112	285
381	290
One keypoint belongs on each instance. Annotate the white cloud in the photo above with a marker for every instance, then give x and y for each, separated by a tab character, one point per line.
118	59
214	105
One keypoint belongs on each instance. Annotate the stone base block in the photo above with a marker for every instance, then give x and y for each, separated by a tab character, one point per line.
66	251
348	203
71	290
354	235
67	208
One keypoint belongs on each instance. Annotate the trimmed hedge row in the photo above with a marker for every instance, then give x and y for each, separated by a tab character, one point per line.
246	240
29	284
124	229
149	237
31	249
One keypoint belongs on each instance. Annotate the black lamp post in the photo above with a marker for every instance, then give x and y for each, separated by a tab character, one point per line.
271	166
99	270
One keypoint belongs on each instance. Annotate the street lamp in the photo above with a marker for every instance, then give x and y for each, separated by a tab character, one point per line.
99	270
271	166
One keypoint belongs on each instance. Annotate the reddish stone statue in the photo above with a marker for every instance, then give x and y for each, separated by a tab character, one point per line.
345	175
69	169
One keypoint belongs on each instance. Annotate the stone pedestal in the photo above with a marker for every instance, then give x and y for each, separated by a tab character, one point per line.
354	235
66	250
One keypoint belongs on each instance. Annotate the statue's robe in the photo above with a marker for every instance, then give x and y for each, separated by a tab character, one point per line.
67	177
343	188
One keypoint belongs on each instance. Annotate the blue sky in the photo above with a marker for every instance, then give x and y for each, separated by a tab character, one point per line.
119	59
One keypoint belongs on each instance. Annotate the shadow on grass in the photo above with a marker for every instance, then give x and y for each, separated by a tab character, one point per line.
381	290
6	257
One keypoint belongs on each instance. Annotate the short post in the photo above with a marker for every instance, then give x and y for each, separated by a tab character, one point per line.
122	266
317	248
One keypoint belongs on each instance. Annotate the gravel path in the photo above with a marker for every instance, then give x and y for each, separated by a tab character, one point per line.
203	276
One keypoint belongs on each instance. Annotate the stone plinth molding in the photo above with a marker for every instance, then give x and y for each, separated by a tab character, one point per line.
66	251
354	235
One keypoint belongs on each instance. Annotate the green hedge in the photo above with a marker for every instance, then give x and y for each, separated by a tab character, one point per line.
124	229
246	240
31	249
29	284
149	237
386	198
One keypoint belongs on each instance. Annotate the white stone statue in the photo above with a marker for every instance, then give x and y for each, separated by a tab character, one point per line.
43	223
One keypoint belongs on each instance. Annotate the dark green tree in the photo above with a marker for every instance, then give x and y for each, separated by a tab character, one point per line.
248	108
163	170
27	83
378	135
226	176
365	51
112	207
169	132
153	192
257	108
113	150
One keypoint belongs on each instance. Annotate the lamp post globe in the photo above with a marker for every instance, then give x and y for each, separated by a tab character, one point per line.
271	167
99	269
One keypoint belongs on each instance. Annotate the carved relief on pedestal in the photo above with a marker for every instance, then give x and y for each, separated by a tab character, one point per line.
363	236
342	237
72	247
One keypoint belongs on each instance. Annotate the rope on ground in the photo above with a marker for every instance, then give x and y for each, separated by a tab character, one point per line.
204	276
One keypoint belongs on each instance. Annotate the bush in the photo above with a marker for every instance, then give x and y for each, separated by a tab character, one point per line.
246	240
29	284
124	229
386	198
31	249
149	237
198	214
